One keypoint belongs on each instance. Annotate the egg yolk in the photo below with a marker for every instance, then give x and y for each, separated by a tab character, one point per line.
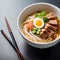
39	23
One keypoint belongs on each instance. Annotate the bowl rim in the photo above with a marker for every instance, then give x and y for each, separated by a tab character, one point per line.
19	29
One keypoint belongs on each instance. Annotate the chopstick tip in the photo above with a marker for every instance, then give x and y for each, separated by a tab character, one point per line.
5	17
1	31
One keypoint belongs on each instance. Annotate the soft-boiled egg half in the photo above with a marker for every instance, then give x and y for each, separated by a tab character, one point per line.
38	22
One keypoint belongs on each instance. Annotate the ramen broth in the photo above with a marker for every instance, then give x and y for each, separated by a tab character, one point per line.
41	27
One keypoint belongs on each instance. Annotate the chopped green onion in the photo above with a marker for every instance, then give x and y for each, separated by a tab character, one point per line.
38	32
45	19
33	31
43	13
39	29
37	15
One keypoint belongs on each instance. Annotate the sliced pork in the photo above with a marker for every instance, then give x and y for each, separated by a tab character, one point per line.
48	31
51	32
54	28
51	15
45	31
53	22
43	35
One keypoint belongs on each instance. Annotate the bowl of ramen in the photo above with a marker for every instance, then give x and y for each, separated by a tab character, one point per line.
38	23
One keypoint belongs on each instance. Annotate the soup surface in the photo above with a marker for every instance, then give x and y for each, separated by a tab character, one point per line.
41	27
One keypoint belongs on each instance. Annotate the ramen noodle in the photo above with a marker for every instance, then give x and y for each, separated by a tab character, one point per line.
41	27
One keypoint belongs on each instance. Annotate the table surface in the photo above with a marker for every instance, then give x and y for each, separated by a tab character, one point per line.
11	9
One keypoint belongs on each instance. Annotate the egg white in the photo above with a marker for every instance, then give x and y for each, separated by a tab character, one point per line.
40	20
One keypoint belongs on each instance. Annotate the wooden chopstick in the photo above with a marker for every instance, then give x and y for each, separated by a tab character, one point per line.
11	34
14	47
